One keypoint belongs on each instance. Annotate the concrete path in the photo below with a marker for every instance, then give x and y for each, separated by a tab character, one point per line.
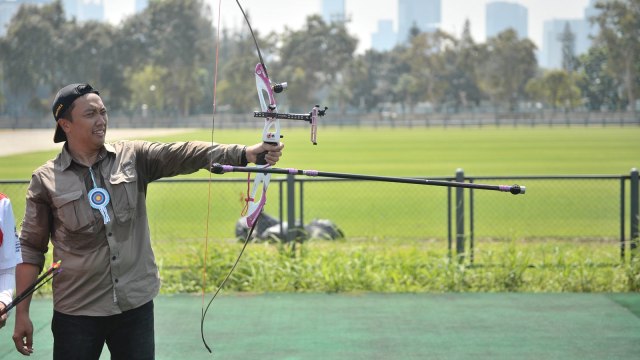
29	140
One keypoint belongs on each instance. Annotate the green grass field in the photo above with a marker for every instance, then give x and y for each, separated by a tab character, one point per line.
541	241
428	152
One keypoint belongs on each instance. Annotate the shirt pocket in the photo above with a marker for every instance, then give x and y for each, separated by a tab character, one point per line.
74	212
124	195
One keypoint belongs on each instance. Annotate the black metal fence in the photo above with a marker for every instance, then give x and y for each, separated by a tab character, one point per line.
584	207
529	117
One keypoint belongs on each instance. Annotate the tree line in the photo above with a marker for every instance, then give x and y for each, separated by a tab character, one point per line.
162	61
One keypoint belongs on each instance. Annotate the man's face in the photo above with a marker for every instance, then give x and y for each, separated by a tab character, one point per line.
89	126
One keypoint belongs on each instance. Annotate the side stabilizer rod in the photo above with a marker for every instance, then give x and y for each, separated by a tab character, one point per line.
513	189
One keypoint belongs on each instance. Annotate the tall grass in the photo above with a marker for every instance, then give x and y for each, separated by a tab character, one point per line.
396	266
413	266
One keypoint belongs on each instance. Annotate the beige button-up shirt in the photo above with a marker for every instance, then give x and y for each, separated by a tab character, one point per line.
106	268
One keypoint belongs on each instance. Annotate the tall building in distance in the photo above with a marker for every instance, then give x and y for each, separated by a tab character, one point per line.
426	15
384	38
333	11
502	15
551	54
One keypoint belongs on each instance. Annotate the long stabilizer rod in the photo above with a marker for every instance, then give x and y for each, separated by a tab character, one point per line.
221	169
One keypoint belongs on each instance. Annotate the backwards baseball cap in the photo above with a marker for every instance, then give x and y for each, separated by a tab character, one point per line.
62	102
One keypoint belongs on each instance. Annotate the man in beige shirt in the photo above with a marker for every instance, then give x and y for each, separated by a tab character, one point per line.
90	203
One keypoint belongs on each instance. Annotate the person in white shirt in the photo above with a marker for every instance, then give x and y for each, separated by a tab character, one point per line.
10	254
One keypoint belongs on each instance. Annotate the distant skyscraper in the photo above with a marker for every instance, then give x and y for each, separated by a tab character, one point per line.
333	11
385	38
502	15
423	14
551	54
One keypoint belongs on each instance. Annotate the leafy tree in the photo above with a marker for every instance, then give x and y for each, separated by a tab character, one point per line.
176	35
419	67
619	23
91	55
568	41
315	57
598	83
460	75
509	64
557	88
34	44
47	52
236	84
370	80
151	92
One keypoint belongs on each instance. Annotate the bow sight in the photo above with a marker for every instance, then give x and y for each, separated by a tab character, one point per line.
311	117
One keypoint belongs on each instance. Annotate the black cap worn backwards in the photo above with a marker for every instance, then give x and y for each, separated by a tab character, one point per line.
62	102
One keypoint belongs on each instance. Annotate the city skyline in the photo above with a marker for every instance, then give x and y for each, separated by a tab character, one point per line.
364	17
364	20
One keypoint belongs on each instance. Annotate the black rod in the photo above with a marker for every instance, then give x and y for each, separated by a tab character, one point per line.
221	169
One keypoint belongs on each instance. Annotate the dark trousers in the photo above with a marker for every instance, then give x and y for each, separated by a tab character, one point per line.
128	335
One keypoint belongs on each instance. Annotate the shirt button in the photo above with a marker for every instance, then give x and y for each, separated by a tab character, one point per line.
113	258
110	234
116	280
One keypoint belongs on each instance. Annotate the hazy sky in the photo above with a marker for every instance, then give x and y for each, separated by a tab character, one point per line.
366	13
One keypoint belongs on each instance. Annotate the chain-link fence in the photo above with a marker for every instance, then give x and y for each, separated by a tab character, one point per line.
577	208
589	208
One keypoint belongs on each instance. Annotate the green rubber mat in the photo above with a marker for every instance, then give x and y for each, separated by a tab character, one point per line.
383	326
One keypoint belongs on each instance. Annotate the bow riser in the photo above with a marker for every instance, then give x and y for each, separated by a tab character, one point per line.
271	131
270	135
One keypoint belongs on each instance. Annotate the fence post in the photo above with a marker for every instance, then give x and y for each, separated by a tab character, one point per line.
449	240
623	208
291	207
633	221
460	216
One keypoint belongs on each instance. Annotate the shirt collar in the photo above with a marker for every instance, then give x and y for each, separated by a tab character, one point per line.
64	158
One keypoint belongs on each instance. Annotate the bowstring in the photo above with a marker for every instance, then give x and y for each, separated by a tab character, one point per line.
213	121
204	311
